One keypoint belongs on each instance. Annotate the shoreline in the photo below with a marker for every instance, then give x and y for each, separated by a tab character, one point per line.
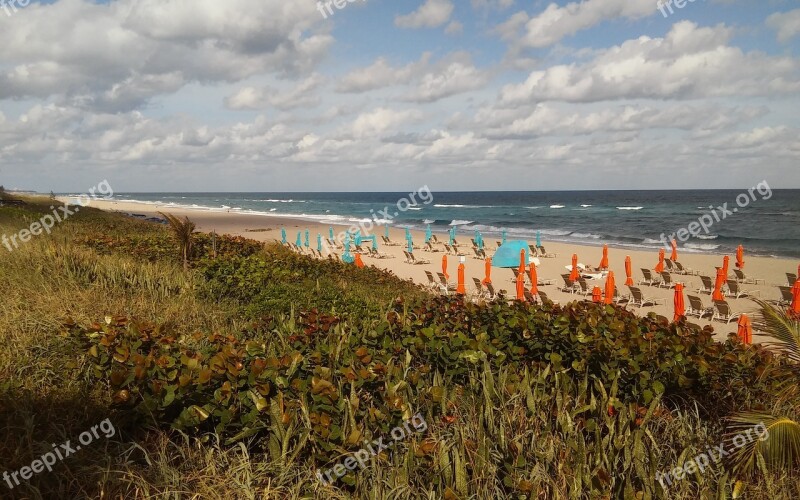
268	229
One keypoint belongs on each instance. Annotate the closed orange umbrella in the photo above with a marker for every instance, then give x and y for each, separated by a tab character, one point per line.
488	278
574	275
461	289
726	262
597	295
721	277
604	260
628	271
610	287
740	257
444	267
534	280
359	262
796	298
745	332
522	266
660	266
521	286
674	255
680	305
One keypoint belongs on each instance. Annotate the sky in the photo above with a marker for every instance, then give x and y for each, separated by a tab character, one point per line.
389	95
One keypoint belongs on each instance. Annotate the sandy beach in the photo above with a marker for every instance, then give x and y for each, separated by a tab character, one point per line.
262	228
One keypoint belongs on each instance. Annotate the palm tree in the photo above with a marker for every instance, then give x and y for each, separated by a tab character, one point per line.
183	231
781	440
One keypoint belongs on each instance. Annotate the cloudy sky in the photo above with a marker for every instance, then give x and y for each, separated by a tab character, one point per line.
388	95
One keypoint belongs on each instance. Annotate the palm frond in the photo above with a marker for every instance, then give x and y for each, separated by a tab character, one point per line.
777	323
183	231
775	438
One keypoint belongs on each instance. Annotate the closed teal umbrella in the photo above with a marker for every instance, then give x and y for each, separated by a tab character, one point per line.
428	234
410	244
452	235
347	256
386	231
299	239
307	243
408	233
283	236
504	237
319	242
375	243
538	238
330	233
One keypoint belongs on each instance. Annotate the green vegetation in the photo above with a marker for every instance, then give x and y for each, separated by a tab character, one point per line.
243	375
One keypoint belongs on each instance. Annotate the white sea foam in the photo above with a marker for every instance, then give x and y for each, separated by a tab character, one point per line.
556	206
457	222
702	246
629	208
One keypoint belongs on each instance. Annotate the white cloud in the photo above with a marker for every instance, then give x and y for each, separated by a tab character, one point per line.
427	81
301	95
431	14
557	22
118	56
786	24
690	62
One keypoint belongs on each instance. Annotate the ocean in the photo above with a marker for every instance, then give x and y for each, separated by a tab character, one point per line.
766	222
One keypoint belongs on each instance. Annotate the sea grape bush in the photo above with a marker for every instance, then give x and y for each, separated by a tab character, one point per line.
344	380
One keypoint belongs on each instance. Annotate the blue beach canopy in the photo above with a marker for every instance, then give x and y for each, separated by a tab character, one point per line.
307	243
283	236
299	239
319	242
508	254
538	238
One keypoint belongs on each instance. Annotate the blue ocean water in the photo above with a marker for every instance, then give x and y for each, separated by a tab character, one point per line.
768	224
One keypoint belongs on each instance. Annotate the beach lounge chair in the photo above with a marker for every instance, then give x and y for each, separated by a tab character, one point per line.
791	279
413	260
707	286
639	300
619	299
534	251
680	269
453	250
666	280
741	278
481	291
649	279
786	296
723	312
499	244
696	307
546	255
389	243
432	283
479	254
584	287
670	266
544	299
448	287
434	238
569	285
736	292
491	290
430	248
375	253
